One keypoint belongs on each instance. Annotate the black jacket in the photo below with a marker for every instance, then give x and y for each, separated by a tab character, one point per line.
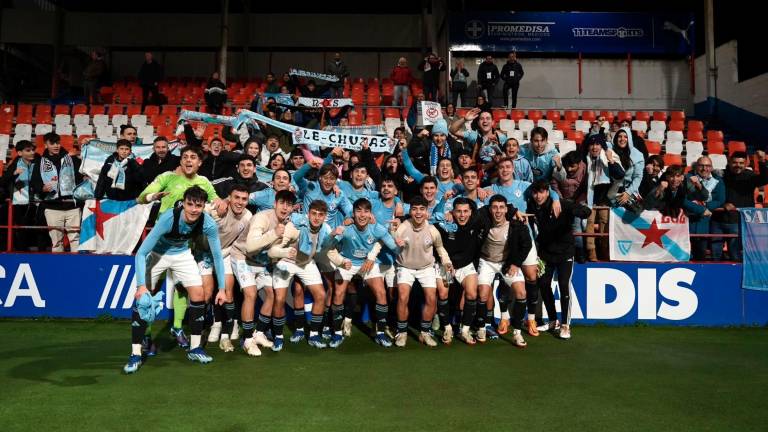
223	165
62	202
554	239
509	67
150	73
518	239
153	166
483	70
224	184
740	191
10	182
134	181
432	76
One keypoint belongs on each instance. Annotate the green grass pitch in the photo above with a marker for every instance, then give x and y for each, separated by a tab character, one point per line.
67	376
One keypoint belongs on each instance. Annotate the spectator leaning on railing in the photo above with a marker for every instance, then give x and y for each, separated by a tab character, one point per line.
15	185
700	212
675	194
120	178
740	184
54	180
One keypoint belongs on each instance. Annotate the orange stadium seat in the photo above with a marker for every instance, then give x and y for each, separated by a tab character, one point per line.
624	116
660	116
734	146
695	125
672	159
715	147
588	115
715	135
553	115
517	115
571	115
653	147
642	116
535	115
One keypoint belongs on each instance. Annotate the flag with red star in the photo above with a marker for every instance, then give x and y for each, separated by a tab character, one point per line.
648	236
112	227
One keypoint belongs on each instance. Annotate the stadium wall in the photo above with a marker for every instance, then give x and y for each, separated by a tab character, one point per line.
741	105
88	286
553	83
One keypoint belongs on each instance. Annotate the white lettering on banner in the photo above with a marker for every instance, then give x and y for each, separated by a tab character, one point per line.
755	216
598	280
669	288
620	32
674	286
128	299
23	273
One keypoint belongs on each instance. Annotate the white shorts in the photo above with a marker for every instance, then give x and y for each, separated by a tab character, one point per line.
488	271
533	256
389	273
251	275
285	271
182	267
347	275
205	265
426	276
459	274
323	263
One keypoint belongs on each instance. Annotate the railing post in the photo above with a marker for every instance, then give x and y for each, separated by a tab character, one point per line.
9	246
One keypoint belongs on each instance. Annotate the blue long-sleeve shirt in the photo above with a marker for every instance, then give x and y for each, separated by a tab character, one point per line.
418	176
158	242
383	215
355	245
354	194
339	206
541	164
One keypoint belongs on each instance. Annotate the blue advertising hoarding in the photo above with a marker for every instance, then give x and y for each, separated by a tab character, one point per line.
571	32
87	286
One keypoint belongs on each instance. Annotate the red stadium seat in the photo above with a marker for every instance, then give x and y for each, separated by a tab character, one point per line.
571	115
694	135
133	110
67	142
715	135
535	115
678	116
553	115
695	125
608	116
116	109
61	109
461	112
577	136
392	112
642	116
25	109
499	114
676	125
79	109
151	110
673	159
169	109
96	109
734	146
564	125
354	119
373	116
624	115
653	147
715	147
517	115
588	115
660	116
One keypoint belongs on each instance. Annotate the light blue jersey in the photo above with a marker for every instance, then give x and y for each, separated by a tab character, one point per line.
383	215
542	164
157	241
354	194
355	245
339	206
418	176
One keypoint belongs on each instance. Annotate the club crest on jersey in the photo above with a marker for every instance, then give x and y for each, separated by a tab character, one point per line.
518	193
370	239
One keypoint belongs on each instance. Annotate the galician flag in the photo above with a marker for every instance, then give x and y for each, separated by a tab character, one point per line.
648	236
112	227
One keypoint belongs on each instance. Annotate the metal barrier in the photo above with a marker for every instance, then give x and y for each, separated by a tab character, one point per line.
9	227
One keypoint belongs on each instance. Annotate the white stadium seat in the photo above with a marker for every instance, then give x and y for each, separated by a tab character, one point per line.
658	125
546	124
64	129
119	120
82	119
639	126
146	132
674	136
525	125
84	130
23	130
104	131
673	147
507	125
42	129
516	134
62	119
582	125
567	146
693	150
556	136
100	120
138	120
655	135
719	161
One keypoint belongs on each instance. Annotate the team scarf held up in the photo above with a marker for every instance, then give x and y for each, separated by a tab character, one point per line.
377	144
117	173
436	154
21	195
315	75
63	179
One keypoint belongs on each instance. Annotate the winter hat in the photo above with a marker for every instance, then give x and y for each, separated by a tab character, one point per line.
440	127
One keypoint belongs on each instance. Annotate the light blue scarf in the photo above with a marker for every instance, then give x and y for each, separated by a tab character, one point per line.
434	157
63	179
117	173
21	196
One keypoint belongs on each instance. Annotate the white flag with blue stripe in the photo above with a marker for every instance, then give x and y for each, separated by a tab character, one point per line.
648	236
